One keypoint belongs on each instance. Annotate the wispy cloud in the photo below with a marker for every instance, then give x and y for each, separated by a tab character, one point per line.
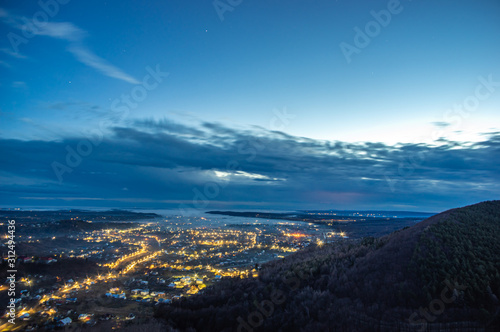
88	58
19	85
441	124
62	30
70	33
5	64
13	54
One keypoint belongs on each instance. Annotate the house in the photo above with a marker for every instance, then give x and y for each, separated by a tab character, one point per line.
64	322
85	317
117	296
164	301
47	260
25	316
145	292
25	259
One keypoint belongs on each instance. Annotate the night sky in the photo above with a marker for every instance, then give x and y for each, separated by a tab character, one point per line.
249	104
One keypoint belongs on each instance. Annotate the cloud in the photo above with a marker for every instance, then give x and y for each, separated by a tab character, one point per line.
166	125
88	58
5	64
70	33
441	124
62	30
19	85
13	54
162	161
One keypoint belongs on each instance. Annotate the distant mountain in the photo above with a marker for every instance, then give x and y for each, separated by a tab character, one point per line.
443	274
372	213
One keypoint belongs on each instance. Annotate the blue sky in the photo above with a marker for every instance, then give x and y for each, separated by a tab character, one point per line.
408	121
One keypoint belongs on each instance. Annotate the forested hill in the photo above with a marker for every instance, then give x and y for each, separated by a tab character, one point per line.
443	274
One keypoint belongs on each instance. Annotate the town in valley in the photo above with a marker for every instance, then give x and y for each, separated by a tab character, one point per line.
82	268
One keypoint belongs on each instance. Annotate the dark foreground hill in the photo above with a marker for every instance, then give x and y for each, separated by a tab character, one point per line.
442	274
